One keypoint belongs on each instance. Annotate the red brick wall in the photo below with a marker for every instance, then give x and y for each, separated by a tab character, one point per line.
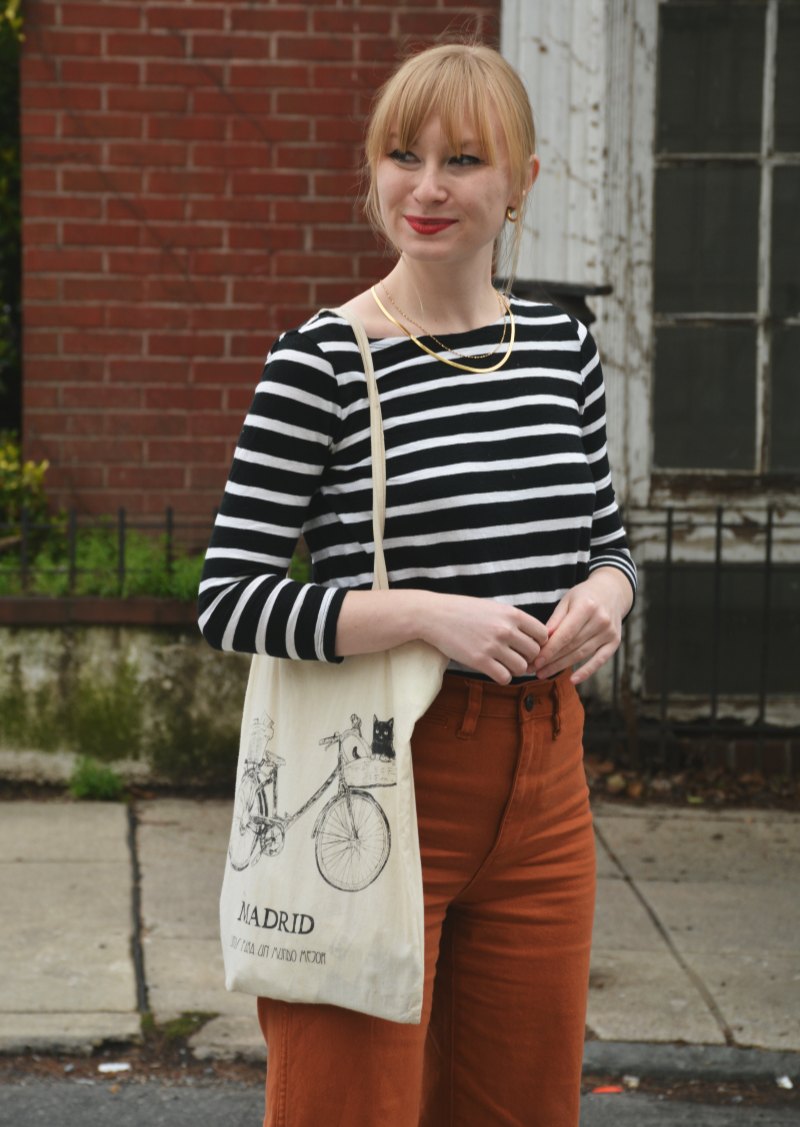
189	190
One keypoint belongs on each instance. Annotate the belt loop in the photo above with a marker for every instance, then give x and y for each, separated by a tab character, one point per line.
473	709
556	708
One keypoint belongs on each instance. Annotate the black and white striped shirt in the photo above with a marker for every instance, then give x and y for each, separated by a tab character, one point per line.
498	484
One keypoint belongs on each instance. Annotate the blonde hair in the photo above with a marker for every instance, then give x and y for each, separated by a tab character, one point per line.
455	79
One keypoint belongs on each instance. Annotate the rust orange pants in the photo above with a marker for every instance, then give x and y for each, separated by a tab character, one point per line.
509	877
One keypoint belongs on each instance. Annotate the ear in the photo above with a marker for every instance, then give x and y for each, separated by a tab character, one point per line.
531	173
374	718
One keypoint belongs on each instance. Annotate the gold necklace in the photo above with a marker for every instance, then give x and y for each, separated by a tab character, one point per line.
444	360
454	351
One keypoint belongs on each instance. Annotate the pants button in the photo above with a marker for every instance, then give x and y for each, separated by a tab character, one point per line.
529	702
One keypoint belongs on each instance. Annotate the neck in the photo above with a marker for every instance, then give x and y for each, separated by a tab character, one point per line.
443	299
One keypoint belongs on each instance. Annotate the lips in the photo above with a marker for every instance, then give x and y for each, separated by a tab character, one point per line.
425	226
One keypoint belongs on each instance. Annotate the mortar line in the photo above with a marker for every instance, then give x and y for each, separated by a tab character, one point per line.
136	937
695	979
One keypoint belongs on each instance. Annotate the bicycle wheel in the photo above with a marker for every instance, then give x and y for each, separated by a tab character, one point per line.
243	832
352	852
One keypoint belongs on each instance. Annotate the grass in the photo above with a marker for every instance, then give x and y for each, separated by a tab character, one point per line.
175	1033
96	566
93	780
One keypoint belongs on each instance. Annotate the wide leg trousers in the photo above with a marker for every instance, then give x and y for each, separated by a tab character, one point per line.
508	871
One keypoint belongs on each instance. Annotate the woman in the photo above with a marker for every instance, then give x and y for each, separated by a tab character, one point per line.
504	549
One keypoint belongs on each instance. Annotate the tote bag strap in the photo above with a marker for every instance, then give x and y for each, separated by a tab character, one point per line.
381	579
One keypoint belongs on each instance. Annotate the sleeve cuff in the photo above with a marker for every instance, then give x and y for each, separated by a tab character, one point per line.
329	629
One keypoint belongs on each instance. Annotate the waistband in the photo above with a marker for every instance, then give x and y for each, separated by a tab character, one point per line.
473	697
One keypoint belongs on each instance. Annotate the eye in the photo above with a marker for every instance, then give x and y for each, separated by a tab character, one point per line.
465	160
401	157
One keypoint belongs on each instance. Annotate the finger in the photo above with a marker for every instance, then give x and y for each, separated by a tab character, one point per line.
527	649
573	657
533	628
558	615
565	637
497	671
593	664
516	663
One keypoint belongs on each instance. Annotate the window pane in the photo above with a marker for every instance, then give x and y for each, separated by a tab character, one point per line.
741	615
787	80
785	445
786	241
704	398
706	239
710	72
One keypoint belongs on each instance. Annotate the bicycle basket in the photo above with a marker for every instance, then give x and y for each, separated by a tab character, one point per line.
372	772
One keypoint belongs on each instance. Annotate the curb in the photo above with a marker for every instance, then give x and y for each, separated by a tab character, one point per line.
688	1062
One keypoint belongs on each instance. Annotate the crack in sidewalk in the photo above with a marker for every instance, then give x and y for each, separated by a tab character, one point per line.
136	937
695	979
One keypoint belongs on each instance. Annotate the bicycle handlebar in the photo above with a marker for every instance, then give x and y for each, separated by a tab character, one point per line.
338	737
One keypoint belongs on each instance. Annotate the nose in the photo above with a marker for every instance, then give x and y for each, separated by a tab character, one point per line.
430	187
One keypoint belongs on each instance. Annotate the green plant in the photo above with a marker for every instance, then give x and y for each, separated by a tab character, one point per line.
90	779
21	483
300	568
97	562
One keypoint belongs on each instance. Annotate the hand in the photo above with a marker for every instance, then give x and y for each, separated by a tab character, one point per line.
490	637
587	623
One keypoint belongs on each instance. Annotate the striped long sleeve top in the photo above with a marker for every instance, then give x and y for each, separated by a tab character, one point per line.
498	484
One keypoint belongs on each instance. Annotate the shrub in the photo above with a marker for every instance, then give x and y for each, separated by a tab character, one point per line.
96	564
90	779
21	484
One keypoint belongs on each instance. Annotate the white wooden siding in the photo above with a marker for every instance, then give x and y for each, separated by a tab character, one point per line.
557	47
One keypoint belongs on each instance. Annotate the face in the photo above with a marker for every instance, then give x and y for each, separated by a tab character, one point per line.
437	206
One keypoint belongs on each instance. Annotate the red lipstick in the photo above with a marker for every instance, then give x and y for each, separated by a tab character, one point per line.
425	226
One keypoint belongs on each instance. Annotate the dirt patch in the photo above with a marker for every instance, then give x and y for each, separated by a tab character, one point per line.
766	1094
714	788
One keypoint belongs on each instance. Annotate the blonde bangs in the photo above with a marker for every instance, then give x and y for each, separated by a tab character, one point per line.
460	81
452	91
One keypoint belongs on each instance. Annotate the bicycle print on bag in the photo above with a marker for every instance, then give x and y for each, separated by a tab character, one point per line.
351	833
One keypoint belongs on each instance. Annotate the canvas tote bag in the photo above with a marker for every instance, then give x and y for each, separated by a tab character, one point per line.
322	895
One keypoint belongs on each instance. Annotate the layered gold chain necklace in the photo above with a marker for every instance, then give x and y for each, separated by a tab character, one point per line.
453	364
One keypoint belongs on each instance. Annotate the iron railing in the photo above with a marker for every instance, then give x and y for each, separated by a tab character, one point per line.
19	541
711	654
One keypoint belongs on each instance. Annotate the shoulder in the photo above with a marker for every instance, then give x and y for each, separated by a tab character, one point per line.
314	345
544	319
323	340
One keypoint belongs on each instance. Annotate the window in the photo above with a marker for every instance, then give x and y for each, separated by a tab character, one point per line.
726	294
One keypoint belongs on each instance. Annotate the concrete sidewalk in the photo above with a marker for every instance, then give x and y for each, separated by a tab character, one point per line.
696	930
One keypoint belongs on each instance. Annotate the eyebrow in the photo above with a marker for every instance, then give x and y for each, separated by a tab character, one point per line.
465	141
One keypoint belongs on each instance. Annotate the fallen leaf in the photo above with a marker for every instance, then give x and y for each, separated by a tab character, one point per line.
608	1088
615	784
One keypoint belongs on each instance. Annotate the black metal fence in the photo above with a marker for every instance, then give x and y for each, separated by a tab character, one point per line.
710	662
711	654
21	543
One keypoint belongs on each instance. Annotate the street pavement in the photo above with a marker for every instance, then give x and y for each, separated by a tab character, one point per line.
695	942
66	1105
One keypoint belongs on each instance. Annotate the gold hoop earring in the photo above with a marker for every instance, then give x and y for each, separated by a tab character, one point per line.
509	216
